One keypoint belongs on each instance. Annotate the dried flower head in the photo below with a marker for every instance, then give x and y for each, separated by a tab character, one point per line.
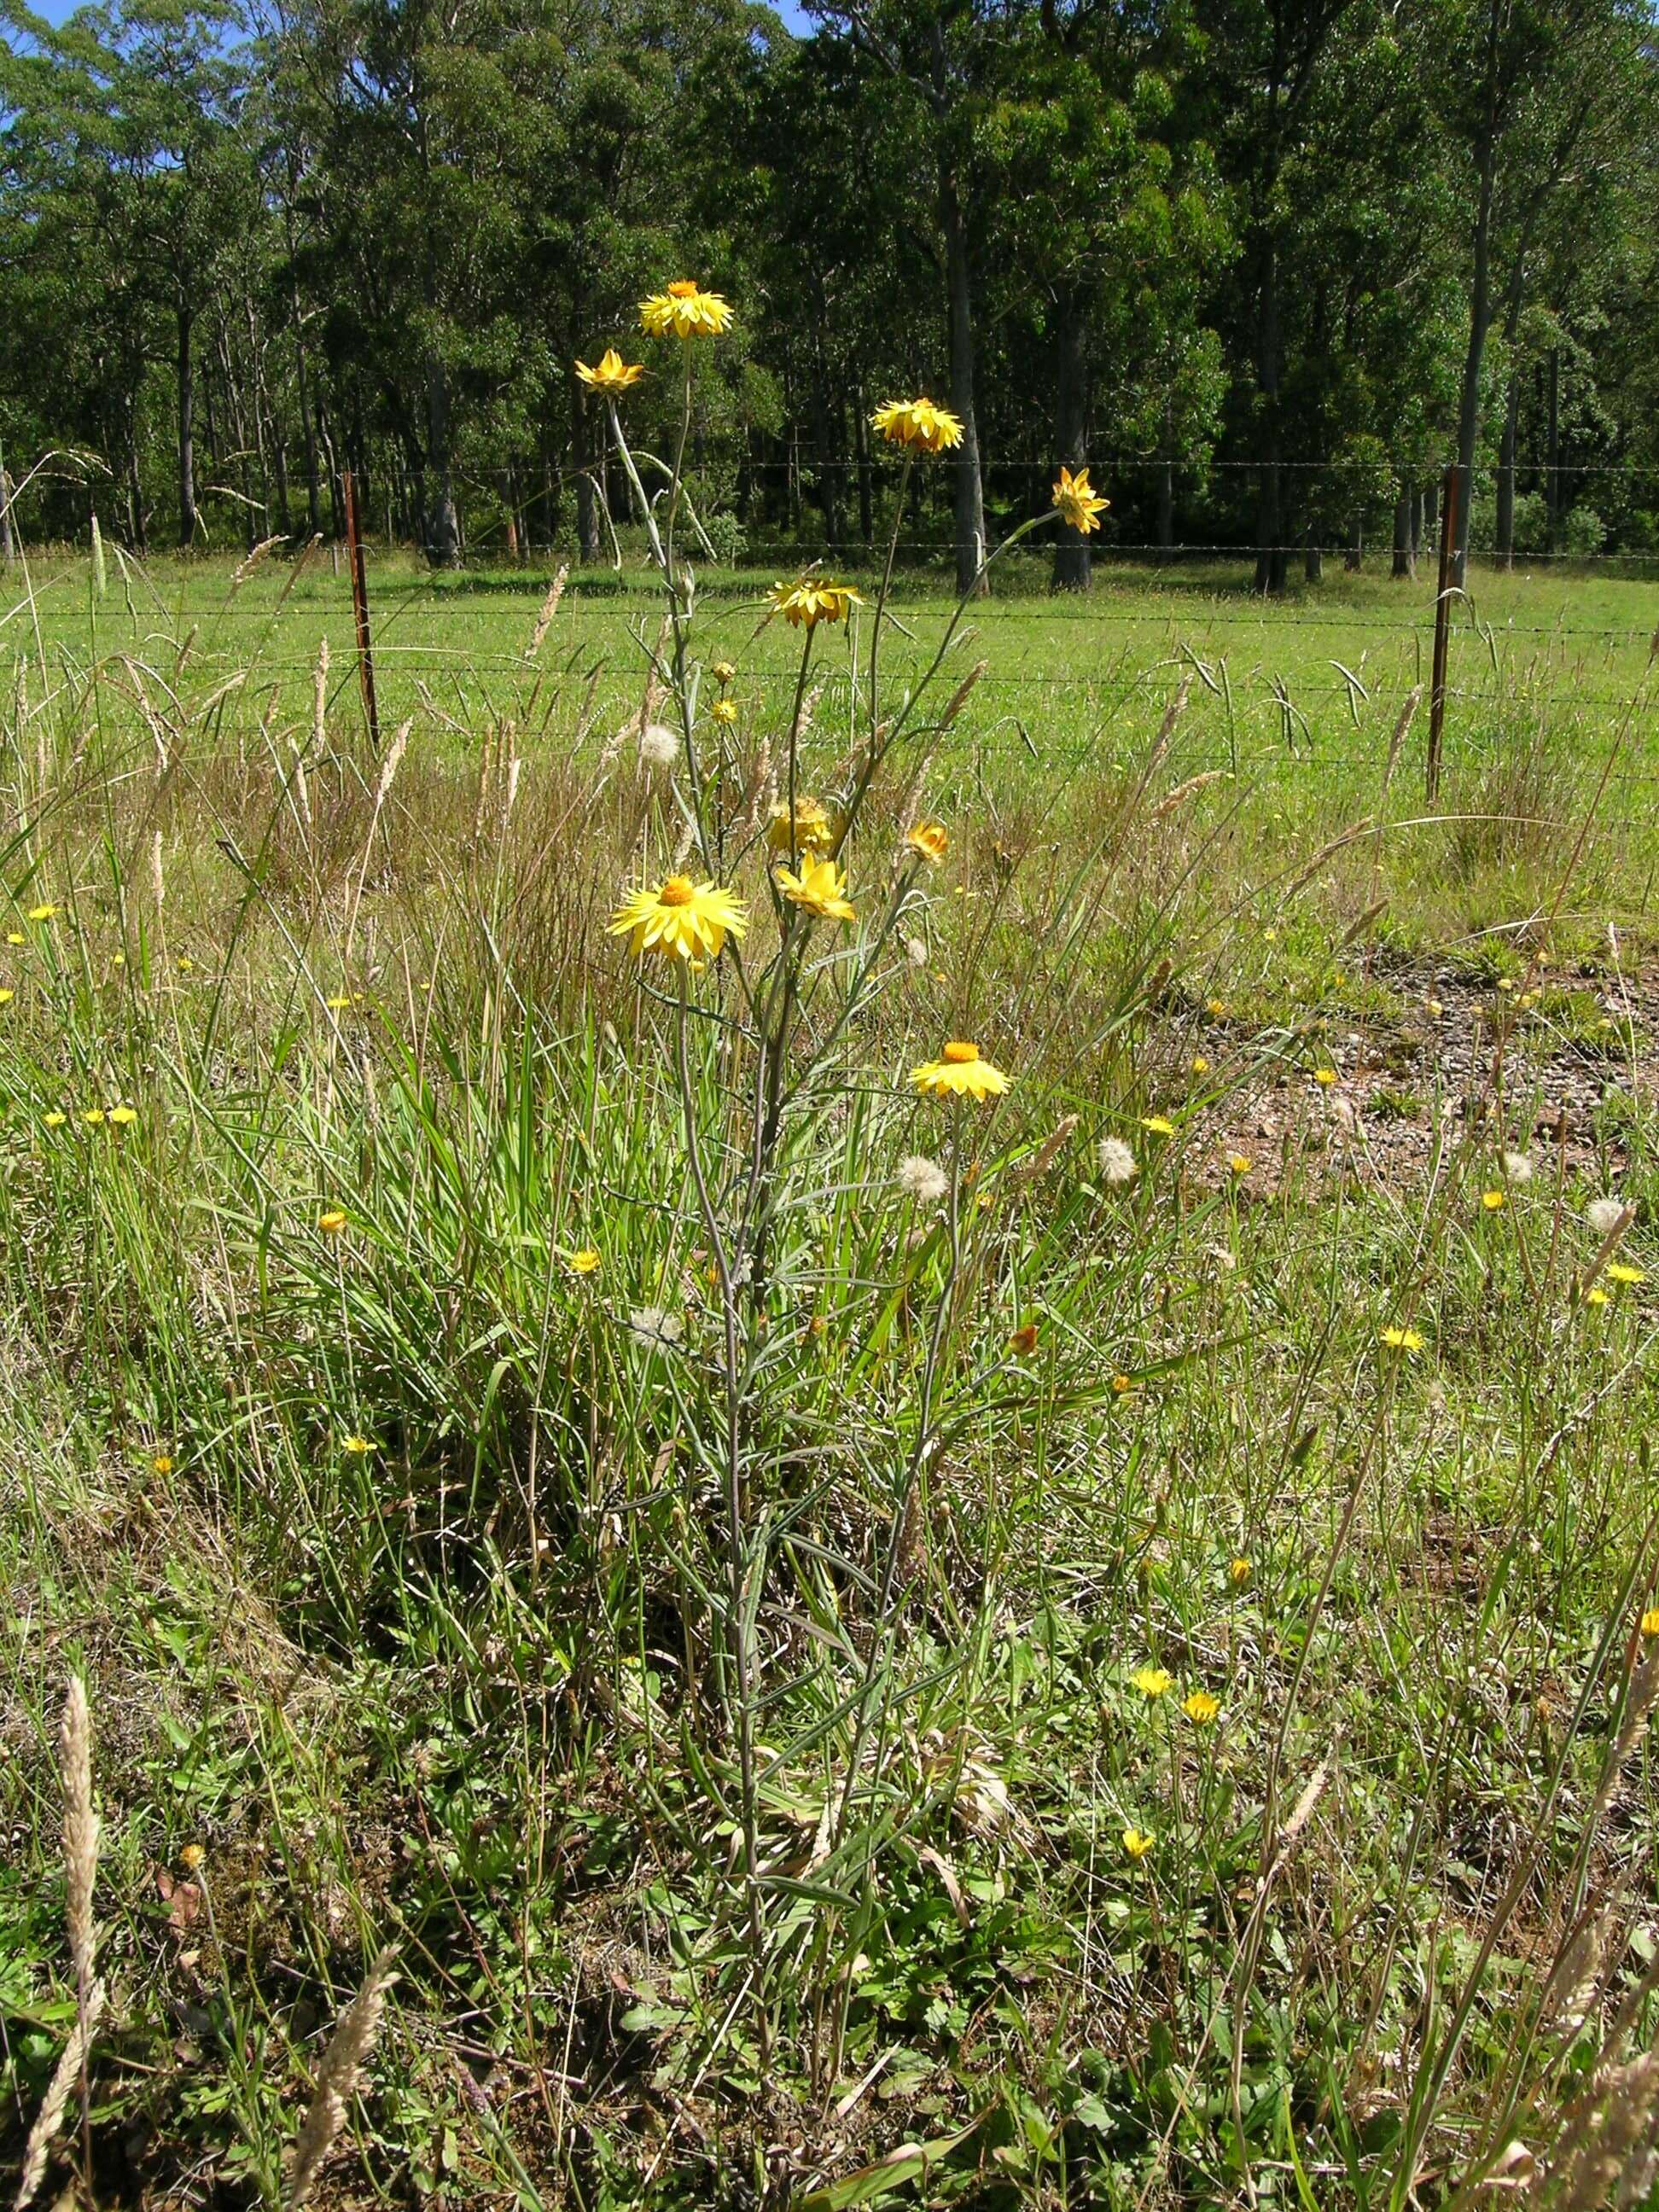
659	746
922	1179
1117	1162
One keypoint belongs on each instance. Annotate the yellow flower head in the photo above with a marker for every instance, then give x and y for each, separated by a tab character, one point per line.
680	918
192	1858
724	673
1238	1572
1325	1077
610	374
929	839
1079	502
1153	1682
685	311
1201	1708
5	998
332	1221
160	1462
814	829
1401	1340
724	710
55	1118
959	1072
1199	1065
93	1115
809	603
1137	1842
1650	1621
1492	1201
15	937
357	1446
821	888
1122	1384
1238	1163
1619	1272
1596	1297
42	913
121	1115
1157	1125
917	422
585	1262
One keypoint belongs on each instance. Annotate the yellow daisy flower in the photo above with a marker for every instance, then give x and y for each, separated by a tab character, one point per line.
685	311
808	604
54	1120
724	710
814	827
1492	1201
929	839
42	913
1324	1077
1201	1708
1199	1065
357	1446
917	422
687	920
1238	1571
15	937
1079	502
121	1117
1401	1340
332	1221
1619	1272
1137	1842
610	374
5	998
1153	1681
820	888
1238	1163
1596	1297
160	1462
585	1262
959	1072
93	1116
1157	1125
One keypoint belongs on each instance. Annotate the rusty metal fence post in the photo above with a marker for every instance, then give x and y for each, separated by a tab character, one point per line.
360	606
1449	510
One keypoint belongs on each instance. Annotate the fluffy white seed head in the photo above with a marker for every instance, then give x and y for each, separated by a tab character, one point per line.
922	1179
1518	1168
1117	1162
1603	1215
660	747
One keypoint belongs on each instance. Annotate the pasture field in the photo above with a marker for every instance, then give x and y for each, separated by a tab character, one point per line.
1190	1523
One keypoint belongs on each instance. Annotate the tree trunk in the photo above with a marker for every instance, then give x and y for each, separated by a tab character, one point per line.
1166	507
308	435
1353	560
866	489
1552	453
1072	568
1270	555
1313	558
1417	525
970	490
1405	559
186	433
443	529
6	515
824	439
1469	413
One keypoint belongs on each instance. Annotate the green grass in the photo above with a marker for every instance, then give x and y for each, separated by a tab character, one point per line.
467	1692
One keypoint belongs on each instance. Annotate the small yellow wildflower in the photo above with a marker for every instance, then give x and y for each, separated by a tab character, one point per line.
1200	1066
585	1262
724	710
93	1116
1215	1008
55	1118
1079	502
332	1221
1325	1077
1122	1384
814	829
122	1116
1159	1124
929	839
685	311
1401	1340
1619	1272
681	918
1433	1008
1153	1681
1238	1163
15	937
1137	1842
5	998
357	1446
185	963
1492	1201
1239	1571
820	889
610	374
959	1072
1650	1621
809	603
1595	1295
160	1462
1201	1708
191	1858
42	913
917	422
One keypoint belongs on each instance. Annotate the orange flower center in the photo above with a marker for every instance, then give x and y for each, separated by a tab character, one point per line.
683	288
960	1054
678	890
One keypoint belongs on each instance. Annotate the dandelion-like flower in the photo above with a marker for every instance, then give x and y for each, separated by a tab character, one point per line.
1604	1215
43	913
1077	500
1157	1125
1619	1271
1516	1167
928	840
959	1072
5	998
917	422
724	674
1198	1065
1650	1621
1117	1162
1400	1339
1153	1682
610	374
1239	1571
332	1221
1239	1165
813	829
820	888
809	603
1200	1707
160	1462
55	1119
1137	1842
680	919
685	311
1493	1201
922	1179
585	1262
725	711
659	746
1324	1077
357	1446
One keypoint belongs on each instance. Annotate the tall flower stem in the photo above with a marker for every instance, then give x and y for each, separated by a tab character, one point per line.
737	1627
